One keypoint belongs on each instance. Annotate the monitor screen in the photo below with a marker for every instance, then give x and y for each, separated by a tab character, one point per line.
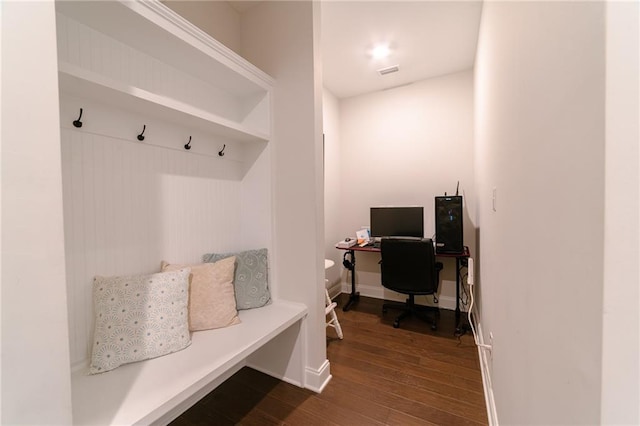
397	222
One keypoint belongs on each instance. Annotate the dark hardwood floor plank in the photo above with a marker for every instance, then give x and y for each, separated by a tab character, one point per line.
283	391
349	398
438	408
334	409
263	407
338	414
458	356
258	417
237	404
301	417
443	337
396	418
409	377
381	376
457	349
374	349
450	376
198	416
472	374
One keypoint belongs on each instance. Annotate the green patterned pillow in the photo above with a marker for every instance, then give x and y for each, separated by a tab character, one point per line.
250	278
139	317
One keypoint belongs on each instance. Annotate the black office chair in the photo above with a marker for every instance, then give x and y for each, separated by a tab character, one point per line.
409	266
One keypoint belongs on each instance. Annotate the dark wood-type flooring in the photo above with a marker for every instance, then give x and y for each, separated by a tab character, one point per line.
381	376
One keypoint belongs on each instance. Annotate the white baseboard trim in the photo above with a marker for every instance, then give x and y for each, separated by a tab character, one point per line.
316	380
483	354
276	375
335	290
379	292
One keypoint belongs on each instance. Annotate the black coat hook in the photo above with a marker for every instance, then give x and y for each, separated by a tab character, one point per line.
188	144
141	135
221	152
78	123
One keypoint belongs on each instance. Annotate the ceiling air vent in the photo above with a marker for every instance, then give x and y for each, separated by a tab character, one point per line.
389	70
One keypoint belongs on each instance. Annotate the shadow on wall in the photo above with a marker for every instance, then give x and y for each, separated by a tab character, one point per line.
470	239
477	284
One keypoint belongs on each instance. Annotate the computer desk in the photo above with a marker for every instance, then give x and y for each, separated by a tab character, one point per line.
461	260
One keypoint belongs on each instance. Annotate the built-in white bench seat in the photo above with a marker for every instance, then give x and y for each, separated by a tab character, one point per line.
156	391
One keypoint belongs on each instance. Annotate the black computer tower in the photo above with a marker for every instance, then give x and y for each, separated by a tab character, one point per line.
449	224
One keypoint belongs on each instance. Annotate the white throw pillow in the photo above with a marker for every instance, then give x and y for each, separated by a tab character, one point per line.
139	317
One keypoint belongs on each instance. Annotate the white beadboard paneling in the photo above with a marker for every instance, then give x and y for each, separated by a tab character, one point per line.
98	52
256	195
105	120
84	44
128	206
71	46
62	38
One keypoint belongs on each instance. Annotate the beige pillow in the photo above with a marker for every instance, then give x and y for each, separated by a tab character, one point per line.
212	302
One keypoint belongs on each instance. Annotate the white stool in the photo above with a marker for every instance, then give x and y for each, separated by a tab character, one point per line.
330	305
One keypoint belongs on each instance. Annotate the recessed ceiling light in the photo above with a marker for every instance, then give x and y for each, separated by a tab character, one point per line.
380	51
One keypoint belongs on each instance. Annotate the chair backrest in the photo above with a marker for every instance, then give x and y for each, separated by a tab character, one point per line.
409	265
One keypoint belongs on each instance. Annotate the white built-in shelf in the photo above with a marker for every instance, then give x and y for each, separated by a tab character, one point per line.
83	83
142	56
156	390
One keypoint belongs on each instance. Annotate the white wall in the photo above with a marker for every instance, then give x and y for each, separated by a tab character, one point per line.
540	84
217	18
333	212
621	322
282	39
404	146
35	354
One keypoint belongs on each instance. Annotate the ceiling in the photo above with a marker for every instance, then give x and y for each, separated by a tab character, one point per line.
426	38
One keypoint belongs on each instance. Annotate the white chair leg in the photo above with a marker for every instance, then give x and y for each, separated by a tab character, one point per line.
330	310
336	324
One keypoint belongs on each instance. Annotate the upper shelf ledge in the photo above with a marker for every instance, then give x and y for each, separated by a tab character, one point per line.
82	83
150	26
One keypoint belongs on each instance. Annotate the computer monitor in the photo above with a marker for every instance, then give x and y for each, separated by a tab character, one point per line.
397	222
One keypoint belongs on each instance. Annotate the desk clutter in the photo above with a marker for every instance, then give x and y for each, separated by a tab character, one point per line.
346	243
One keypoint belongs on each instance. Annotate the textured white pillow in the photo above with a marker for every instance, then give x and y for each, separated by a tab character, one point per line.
139	317
212	301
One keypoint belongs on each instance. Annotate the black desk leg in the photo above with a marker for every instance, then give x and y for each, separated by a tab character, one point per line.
354	296
458	328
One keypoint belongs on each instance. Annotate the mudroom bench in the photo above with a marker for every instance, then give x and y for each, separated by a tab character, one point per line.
158	390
